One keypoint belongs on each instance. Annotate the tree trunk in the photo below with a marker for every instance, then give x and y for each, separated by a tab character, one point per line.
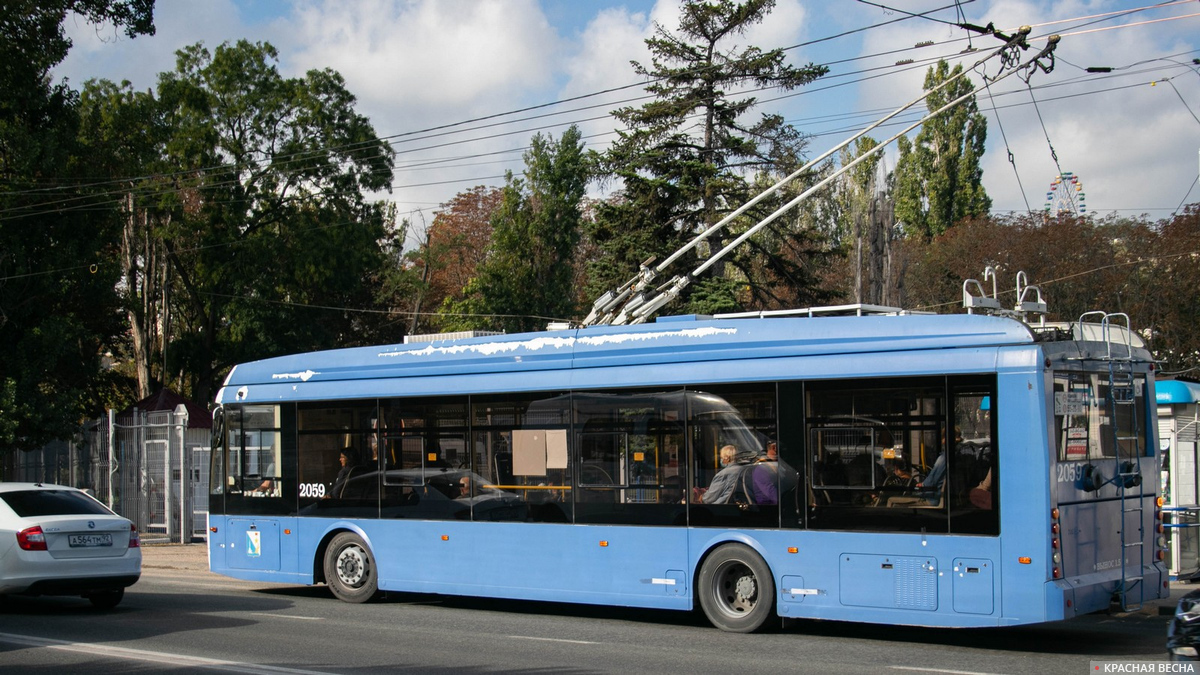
138	284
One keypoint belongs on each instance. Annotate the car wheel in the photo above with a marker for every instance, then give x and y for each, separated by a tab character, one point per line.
350	569
106	599
736	589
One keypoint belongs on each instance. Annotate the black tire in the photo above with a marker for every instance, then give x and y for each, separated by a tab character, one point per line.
736	589
106	599
350	569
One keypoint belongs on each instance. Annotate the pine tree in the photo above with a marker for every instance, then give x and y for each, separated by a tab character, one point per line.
692	155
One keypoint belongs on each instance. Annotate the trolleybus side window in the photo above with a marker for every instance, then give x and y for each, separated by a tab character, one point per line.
337	474
255	463
892	456
630	448
973	480
738	477
422	450
519	452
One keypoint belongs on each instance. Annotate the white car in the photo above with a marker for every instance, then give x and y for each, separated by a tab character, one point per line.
57	540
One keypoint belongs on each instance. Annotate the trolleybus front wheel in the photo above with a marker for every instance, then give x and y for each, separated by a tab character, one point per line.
350	569
737	592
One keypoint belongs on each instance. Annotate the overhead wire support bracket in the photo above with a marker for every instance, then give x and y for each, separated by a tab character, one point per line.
1036	64
630	304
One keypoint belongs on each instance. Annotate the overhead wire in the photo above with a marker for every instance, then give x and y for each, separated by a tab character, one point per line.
441	127
477	139
990	96
115	196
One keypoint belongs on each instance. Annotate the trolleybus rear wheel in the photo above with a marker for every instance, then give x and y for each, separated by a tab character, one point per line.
350	568
737	592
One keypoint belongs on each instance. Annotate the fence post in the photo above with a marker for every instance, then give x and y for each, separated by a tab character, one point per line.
143	462
185	483
112	455
168	503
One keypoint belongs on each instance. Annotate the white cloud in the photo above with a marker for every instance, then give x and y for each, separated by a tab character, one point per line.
783	27
602	60
419	63
431	59
104	52
1134	148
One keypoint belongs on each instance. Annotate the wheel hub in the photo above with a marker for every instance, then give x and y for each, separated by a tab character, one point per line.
737	590
746	588
351	567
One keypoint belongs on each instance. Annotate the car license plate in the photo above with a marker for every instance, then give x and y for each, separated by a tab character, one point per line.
89	539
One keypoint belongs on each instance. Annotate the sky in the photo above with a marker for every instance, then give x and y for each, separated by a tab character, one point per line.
459	86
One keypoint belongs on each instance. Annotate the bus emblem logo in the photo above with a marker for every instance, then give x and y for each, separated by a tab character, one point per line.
253	543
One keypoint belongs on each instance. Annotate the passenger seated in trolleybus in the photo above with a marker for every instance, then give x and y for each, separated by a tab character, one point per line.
724	487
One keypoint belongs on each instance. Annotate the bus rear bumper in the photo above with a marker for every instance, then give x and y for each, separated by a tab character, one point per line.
1101	591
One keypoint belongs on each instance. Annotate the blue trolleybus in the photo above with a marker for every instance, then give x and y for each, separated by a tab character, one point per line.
950	470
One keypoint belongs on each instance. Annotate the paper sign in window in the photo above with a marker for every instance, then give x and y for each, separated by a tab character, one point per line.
556	449
529	452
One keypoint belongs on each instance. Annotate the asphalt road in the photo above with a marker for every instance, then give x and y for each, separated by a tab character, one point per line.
180	618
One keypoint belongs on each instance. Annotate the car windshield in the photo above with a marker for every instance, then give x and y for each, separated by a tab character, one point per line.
30	503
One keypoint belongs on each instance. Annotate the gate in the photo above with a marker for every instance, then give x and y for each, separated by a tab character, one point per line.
135	465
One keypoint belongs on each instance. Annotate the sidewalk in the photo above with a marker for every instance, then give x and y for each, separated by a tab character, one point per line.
175	557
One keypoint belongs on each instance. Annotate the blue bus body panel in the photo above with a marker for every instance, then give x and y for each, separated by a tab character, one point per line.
628	566
902	579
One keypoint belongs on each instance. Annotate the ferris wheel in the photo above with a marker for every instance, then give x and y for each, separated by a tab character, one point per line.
1066	196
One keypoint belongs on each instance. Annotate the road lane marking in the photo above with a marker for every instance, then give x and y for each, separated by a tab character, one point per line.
941	670
546	639
151	656
289	616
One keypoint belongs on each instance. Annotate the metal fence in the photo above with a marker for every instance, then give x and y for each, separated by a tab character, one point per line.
1183	526
134	463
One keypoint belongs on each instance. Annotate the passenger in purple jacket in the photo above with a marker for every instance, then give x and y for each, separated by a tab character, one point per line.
770	475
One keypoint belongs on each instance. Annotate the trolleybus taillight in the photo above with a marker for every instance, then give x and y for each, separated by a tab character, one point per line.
1160	537
1055	553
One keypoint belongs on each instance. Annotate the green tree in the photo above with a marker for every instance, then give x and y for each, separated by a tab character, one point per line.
455	244
1097	265
691	155
123	131
527	276
58	306
1167	301
939	180
271	230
